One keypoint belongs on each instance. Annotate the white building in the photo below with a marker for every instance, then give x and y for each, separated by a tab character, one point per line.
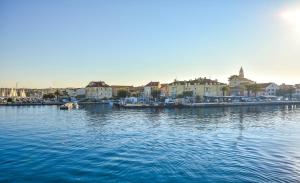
267	89
150	87
75	92
98	90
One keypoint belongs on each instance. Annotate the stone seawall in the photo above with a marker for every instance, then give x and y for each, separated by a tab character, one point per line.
241	104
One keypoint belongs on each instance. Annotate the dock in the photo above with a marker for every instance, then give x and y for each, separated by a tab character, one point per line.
204	105
227	104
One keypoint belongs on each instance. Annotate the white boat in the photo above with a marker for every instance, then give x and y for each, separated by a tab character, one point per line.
69	105
23	94
13	93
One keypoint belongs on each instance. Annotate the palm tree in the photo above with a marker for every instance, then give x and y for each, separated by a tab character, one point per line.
255	88
57	94
249	89
122	93
291	90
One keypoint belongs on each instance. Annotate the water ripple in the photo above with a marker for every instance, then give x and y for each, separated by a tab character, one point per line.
100	144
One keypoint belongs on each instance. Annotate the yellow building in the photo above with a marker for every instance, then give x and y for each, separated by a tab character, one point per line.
164	89
98	90
198	87
238	84
116	88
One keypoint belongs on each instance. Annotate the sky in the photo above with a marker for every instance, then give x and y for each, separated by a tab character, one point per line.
68	43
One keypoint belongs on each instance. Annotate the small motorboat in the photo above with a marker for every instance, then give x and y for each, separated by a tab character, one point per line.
69	105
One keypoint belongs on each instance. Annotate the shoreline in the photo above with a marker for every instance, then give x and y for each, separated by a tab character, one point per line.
194	105
206	105
47	104
242	104
31	104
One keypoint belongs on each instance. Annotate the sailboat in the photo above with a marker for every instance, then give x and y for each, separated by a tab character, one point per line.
22	94
13	93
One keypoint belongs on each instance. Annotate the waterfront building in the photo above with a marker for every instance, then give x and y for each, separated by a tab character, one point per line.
137	91
267	89
238	84
117	88
150	87
297	92
46	91
97	90
37	93
164	90
76	92
198	87
286	90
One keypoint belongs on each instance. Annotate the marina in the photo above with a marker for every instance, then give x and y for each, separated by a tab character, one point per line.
126	91
163	105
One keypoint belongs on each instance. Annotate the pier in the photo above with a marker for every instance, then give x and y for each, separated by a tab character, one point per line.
204	105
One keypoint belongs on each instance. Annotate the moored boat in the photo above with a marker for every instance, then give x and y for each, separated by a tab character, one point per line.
69	105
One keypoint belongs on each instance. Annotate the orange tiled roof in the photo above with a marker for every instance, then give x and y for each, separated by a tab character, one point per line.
153	84
97	84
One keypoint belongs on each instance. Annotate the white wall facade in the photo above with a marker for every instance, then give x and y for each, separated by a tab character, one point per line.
98	92
270	90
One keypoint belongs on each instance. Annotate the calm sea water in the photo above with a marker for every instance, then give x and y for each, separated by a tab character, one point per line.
100	144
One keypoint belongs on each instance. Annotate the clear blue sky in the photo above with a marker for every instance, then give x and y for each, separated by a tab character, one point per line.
67	43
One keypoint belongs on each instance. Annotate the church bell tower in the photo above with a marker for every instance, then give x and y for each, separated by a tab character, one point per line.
241	73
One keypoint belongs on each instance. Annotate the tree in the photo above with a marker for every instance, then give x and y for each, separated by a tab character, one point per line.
155	93
65	93
187	93
122	93
255	88
49	96
291	91
249	89
179	96
57	93
280	92
286	91
224	90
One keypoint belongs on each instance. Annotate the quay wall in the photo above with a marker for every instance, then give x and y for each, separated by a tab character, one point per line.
194	105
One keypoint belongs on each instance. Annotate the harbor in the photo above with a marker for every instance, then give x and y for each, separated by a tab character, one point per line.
134	91
205	105
196	93
162	105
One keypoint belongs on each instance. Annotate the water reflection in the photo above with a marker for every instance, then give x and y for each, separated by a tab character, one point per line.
199	118
98	143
